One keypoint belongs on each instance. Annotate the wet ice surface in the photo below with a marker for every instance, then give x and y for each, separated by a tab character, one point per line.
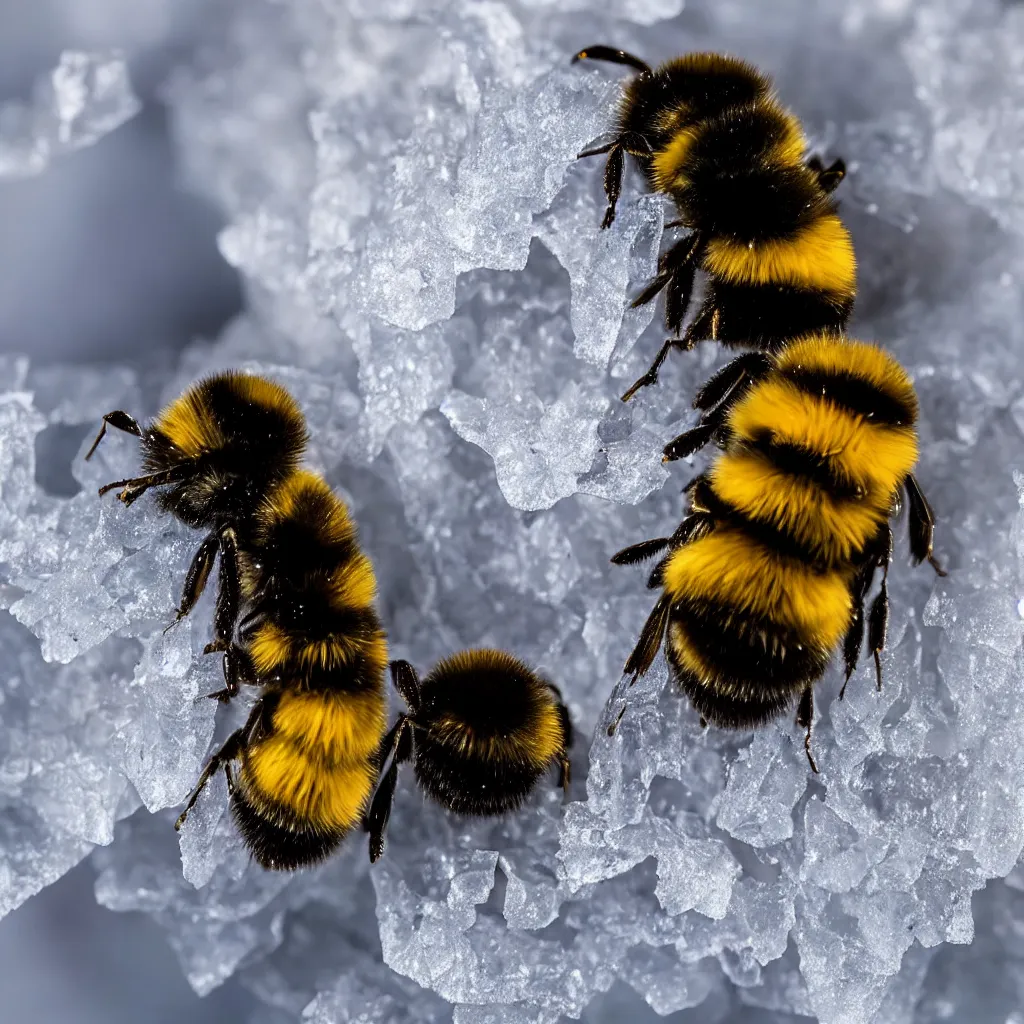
424	271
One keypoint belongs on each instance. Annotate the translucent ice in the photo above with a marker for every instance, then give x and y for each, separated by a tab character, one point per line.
83	98
425	271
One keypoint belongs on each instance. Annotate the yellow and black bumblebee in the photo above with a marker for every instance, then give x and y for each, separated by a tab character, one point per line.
708	131
311	640
216	452
768	573
482	726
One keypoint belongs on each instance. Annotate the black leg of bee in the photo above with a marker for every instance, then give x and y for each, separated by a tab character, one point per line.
690	441
643	654
238	668
398	742
878	619
136	487
226	613
121	421
650	640
612	183
828	177
407	683
196	577
612	175
677	267
651	376
751	367
640	552
805	718
921	524
613	56
232	749
564	765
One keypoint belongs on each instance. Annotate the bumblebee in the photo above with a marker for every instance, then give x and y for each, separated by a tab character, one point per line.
311	640
215	452
708	131
768	573
482	727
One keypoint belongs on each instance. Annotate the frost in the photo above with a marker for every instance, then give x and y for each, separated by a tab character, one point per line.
423	268
86	96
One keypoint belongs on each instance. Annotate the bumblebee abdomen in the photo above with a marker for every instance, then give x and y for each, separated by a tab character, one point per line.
740	670
473	785
278	846
488	727
736	572
287	784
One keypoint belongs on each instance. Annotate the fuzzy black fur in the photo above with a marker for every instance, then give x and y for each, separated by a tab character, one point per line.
470	785
276	846
765	317
752	684
263	445
854	394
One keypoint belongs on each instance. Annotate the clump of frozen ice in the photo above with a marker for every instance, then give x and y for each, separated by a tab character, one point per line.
424	269
86	96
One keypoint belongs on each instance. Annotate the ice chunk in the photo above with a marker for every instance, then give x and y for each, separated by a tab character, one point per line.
86	96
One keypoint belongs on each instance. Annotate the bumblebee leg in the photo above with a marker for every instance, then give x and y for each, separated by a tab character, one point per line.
407	683
855	634
135	488
751	367
921	524
232	749
238	668
226	613
121	421
804	718
196	577
878	619
398	741
640	552
564	766
828	177
613	56
612	183
650	640
651	376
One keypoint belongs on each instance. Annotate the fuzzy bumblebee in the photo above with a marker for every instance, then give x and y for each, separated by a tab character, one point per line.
311	640
767	575
215	452
708	131
482	728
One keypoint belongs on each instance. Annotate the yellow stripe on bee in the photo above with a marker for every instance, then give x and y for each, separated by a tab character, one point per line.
818	257
353	585
835	529
538	742
857	358
189	425
258	390
271	648
333	728
669	165
330	798
731	568
299	491
876	456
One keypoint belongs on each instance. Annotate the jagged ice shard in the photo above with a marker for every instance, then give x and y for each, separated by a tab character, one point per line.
424	269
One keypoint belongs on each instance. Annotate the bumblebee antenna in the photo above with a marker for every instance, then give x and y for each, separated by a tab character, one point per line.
613	57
